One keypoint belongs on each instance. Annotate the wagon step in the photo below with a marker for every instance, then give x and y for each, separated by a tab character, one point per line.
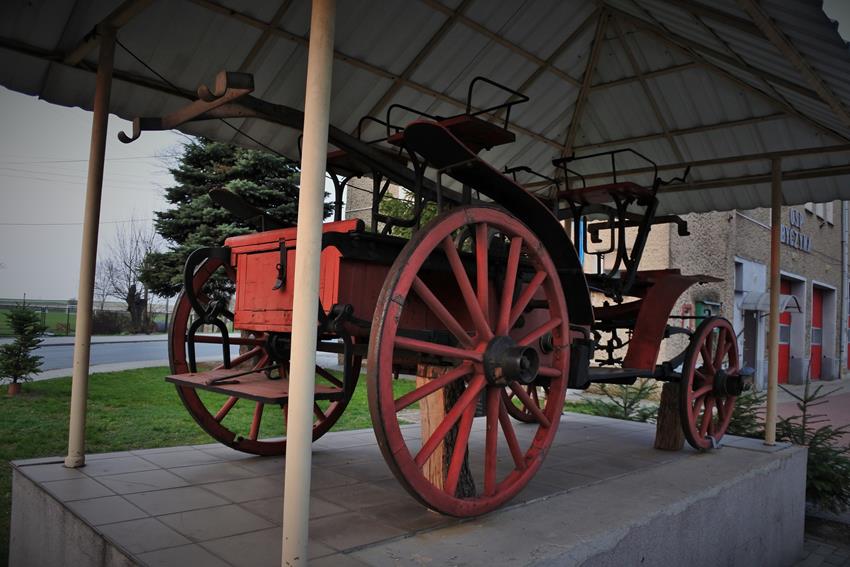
255	386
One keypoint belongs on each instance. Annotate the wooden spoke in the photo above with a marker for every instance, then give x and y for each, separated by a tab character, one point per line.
548	372
510	437
707	415
540	331
511	272
468	397
437	308
722	348
532	389
424	347
707	360
225	409
255	421
459	450
491	440
533	408
317	411
482	269
469	296
700	392
328	376
525	297
256	351
432	386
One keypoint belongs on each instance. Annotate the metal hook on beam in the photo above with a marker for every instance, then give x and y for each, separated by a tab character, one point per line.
227	88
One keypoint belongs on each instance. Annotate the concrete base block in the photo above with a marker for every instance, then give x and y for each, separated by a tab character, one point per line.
603	497
46	533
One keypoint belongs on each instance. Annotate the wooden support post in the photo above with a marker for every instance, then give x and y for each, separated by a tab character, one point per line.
88	255
302	371
432	412
668	430
773	317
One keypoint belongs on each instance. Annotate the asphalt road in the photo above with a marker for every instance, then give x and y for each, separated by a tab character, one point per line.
122	352
57	356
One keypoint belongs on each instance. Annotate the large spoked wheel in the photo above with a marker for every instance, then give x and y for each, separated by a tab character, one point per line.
439	306
243	424
711	382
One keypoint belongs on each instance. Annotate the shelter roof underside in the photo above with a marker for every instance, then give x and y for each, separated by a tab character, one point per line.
724	86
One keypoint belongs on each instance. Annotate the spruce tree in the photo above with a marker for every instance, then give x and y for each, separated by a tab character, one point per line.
267	181
17	362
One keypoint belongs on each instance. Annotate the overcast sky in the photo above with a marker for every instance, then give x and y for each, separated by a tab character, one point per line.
43	160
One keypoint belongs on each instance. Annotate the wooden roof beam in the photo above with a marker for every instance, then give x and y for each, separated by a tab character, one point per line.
420	57
118	18
656	109
772	32
374	69
684	131
664	37
647	75
586	80
764	156
701	10
717	55
555	54
493	36
724	182
265	36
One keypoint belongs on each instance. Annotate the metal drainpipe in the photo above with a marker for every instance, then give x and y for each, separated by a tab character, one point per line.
88	256
845	287
299	428
773	325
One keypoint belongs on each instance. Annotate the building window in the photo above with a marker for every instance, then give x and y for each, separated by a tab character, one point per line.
824	211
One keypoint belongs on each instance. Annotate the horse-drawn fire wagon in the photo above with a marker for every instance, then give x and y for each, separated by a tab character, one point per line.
488	304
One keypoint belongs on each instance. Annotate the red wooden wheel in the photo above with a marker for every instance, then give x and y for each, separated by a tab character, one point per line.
264	431
711	382
439	306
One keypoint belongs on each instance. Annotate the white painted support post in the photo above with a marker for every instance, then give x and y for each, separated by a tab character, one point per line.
302	371
773	322
88	256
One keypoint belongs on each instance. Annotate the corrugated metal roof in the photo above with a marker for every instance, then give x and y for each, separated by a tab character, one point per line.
731	91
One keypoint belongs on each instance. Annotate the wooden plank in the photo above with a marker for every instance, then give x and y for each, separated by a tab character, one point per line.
255	386
432	411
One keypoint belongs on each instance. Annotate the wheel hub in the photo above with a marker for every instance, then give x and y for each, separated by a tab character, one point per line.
505	361
728	384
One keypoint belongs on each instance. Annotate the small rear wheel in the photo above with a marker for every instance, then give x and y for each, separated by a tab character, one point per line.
711	382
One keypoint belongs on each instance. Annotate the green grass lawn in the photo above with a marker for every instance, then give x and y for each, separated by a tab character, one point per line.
133	409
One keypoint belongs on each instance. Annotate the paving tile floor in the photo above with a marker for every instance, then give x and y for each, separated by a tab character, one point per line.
209	505
818	552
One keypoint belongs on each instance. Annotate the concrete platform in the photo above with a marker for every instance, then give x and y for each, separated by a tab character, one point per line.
603	497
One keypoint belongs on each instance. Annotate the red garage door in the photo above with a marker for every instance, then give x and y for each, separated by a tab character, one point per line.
817	332
784	335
